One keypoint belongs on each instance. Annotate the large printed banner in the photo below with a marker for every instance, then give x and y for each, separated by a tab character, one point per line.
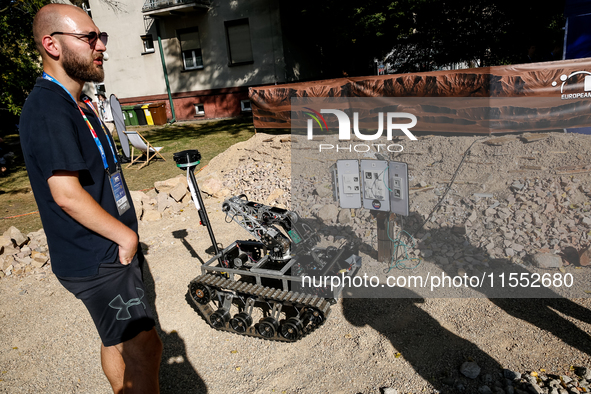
516	98
517	200
464	215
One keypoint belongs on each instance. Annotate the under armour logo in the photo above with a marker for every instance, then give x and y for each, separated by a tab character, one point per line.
118	303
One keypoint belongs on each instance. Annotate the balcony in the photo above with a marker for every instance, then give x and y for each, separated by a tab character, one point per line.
173	7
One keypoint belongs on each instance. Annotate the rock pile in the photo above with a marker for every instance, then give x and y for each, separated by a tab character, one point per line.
168	197
259	168
21	255
545	222
577	380
539	216
261	182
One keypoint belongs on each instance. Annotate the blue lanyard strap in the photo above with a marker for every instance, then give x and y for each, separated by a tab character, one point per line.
89	103
90	127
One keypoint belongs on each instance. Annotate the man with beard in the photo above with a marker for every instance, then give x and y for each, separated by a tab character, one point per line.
83	200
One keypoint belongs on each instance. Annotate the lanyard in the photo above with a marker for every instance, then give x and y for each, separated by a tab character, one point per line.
89	103
94	136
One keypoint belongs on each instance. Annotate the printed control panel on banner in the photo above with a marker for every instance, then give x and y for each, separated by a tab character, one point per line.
377	185
375	191
399	203
347	183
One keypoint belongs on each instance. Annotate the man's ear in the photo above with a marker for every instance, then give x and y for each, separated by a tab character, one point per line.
51	46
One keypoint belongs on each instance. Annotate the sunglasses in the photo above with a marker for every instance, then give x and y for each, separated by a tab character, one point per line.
91	37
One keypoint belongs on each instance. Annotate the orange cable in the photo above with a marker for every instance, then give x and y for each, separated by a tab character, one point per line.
17	216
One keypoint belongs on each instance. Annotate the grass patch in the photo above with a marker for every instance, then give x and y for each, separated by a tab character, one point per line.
210	138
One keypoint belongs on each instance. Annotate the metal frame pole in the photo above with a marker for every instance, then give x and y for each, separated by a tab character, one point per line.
203	212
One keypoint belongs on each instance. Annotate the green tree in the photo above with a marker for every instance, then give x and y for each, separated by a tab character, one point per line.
345	36
19	60
480	33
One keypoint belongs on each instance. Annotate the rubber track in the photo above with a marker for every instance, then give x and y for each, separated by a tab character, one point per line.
261	294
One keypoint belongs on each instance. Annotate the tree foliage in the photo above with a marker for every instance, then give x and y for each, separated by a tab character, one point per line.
345	36
19	60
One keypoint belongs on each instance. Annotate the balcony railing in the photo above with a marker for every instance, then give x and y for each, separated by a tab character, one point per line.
151	5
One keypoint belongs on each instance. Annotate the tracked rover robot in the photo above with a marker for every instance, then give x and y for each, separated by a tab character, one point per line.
254	287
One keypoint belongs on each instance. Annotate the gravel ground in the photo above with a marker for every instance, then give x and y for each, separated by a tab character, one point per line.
49	345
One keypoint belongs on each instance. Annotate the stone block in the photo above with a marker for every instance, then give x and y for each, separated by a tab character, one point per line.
174	207
324	190
38	238
547	260
470	369
6	261
37	263
585	257
5	241
328	213
41	257
178	192
147	200
169	184
10	251
139	211
186	199
163	202
137	197
211	186
24	260
222	193
151	215
18	239
344	216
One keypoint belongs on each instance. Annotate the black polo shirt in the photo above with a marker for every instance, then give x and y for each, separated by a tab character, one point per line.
54	137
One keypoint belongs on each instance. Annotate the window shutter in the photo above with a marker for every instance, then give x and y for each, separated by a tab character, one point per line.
190	41
239	40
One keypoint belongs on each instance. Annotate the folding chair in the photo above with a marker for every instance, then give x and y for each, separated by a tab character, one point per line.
140	143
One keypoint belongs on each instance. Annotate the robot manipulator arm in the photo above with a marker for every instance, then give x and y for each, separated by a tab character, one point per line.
260	220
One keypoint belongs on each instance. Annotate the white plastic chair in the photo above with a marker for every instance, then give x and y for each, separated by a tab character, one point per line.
138	142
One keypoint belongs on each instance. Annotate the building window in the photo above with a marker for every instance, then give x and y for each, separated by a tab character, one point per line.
199	110
238	40
191	49
245	106
148	43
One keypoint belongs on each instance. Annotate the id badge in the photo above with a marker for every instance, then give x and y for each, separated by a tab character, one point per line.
119	192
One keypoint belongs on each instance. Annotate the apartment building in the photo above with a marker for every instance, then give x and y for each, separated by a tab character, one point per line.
198	56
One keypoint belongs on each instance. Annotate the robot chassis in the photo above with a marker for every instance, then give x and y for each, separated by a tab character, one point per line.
265	273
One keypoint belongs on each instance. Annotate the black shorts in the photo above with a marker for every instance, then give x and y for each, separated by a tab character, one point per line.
116	300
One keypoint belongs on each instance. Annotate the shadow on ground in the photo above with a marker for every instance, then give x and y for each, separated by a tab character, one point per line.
177	375
435	352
